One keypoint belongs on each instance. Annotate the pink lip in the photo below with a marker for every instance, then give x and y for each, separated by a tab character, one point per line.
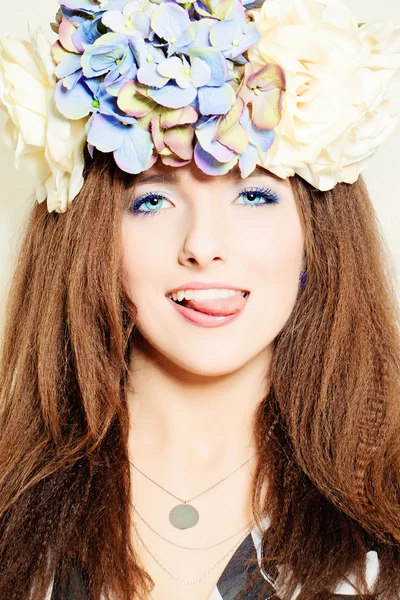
198	285
202	319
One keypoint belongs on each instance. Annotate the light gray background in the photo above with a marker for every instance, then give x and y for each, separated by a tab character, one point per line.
16	186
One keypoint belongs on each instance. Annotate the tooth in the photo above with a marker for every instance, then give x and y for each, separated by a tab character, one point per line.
181	295
189	294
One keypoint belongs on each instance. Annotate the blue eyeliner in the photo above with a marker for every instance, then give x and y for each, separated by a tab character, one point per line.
251	193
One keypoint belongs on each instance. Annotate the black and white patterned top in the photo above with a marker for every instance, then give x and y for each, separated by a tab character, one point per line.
232	579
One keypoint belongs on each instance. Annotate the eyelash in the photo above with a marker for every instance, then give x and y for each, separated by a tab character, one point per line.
265	193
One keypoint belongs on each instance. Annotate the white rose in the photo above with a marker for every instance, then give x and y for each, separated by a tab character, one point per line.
340	99
50	145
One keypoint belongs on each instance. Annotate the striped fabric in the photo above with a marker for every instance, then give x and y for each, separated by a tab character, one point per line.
232	579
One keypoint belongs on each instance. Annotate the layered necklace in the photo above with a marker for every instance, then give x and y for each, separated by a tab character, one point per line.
185	516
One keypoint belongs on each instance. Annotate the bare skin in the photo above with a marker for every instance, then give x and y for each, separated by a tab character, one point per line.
194	390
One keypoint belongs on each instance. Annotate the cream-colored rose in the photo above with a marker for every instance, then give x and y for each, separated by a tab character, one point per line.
50	145
340	99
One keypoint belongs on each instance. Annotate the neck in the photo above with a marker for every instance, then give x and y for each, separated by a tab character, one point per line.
193	420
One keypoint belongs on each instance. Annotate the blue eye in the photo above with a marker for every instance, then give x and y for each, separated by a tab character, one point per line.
252	194
153	199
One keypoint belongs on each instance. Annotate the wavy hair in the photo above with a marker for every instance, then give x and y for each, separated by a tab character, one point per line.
332	462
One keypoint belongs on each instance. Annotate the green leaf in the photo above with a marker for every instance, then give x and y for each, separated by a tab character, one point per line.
361	24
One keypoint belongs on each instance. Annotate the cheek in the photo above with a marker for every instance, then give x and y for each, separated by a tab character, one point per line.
144	263
140	259
275	248
273	259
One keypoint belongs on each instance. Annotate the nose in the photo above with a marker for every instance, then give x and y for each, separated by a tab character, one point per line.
207	237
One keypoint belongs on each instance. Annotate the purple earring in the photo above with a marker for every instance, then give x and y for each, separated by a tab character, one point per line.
303	278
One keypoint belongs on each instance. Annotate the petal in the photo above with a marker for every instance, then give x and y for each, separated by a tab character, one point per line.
148	74
170	68
58	52
119	83
105	133
33	127
216	101
70	81
180	116
216	62
200	72
75	103
157	134
109	106
180	140
267	78
236	138
141	22
114	20
20	52
209	165
227	9
267	109
197	35
68	65
173	96
223	33
251	37
134	103
262	139
232	40
86	34
171	161
205	134
169	21
135	153
248	161
227	121
65	31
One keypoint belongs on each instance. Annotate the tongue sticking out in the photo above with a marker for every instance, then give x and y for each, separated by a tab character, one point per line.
217	307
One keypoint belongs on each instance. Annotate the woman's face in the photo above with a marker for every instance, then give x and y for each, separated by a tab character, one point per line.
243	233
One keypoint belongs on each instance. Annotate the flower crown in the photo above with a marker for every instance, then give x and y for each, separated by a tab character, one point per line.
296	86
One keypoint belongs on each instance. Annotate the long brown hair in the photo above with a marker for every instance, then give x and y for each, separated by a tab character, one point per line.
332	463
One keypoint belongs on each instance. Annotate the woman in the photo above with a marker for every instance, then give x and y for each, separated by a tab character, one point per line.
161	444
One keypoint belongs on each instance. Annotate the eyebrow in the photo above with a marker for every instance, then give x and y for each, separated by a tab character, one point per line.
146	177
171	176
258	172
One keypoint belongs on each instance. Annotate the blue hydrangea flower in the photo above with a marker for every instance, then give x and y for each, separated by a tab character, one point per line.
234	36
170	21
110	55
85	97
87	33
217	96
135	17
166	78
148	57
197	35
131	145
